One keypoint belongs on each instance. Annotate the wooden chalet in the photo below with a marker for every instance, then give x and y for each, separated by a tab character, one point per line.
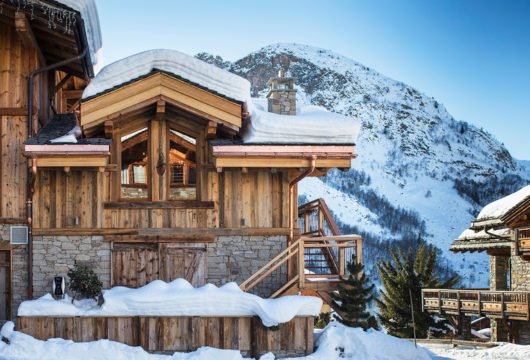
502	229
150	177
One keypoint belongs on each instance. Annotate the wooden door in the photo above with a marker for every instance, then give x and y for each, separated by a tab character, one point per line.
182	262
136	264
5	285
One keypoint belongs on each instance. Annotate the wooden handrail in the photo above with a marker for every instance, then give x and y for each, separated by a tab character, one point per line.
286	254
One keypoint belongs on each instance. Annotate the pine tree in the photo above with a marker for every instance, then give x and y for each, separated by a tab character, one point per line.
353	297
401	277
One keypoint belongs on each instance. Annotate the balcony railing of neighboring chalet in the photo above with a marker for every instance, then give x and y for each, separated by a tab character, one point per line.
509	305
316	261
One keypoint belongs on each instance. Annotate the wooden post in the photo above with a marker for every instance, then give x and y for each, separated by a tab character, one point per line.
479	297
342	262
502	305
440	302
301	265
458	302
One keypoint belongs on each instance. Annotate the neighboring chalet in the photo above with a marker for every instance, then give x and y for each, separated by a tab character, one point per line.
502	229
161	168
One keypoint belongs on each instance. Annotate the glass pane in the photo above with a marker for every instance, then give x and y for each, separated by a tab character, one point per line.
177	174
134	160
192	177
182	162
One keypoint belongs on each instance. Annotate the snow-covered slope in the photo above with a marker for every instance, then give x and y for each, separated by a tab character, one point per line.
421	175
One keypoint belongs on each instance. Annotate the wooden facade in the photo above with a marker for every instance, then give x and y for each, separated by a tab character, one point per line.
157	185
171	333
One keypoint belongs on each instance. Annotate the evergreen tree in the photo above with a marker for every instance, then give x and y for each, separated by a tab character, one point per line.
401	277
354	295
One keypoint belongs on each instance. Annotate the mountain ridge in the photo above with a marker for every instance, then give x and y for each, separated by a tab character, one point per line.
421	175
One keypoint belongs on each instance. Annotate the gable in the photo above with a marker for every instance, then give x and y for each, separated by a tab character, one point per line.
160	86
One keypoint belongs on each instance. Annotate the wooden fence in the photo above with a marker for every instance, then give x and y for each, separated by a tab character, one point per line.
167	334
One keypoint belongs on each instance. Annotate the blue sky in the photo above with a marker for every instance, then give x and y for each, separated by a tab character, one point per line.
473	56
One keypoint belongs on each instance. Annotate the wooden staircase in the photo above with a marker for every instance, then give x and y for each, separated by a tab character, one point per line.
316	260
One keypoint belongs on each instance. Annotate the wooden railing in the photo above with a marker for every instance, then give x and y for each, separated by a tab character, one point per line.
301	279
315	220
512	305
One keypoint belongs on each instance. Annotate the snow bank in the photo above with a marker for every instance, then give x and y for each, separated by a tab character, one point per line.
469	234
338	342
311	125
178	298
89	13
25	347
174	62
503	351
500	207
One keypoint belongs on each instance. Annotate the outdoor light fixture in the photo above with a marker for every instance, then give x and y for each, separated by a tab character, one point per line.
58	287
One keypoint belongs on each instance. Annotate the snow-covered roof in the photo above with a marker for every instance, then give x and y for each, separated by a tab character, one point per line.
470	234
174	62
178	298
311	125
505	205
89	14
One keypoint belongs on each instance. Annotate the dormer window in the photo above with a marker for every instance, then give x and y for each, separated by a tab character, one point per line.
158	168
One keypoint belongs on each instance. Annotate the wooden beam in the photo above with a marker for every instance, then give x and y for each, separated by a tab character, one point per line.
160	106
70	161
178	238
109	129
26	34
163	231
173	204
211	130
14	111
273	162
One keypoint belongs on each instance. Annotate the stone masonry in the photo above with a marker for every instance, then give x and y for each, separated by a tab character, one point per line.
236	258
520	273
55	255
282	95
499	272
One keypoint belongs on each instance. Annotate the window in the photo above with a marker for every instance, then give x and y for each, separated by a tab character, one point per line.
182	166
173	166
134	165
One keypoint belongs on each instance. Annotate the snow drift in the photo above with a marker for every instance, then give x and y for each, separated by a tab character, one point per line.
178	298
311	125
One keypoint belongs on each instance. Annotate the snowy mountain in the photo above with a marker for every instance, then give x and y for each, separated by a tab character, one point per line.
420	176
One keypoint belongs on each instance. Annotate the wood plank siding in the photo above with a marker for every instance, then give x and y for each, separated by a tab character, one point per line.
180	333
258	196
16	63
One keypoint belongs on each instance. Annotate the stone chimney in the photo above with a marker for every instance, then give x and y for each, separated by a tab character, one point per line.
282	95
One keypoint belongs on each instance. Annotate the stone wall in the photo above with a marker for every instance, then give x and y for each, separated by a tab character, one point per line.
236	258
499	272
524	332
55	255
520	273
282	102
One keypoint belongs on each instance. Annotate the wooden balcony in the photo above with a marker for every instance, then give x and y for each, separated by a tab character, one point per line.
508	305
523	242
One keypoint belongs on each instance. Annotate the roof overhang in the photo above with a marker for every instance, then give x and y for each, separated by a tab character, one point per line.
282	156
160	86
68	155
